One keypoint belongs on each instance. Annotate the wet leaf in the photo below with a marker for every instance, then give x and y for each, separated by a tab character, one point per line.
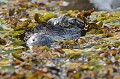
16	62
39	18
17	33
92	26
11	12
2	42
17	56
18	28
40	48
59	50
72	53
85	13
7	52
7	67
17	42
100	24
4	63
27	66
49	16
32	25
1	28
26	23
2	21
42	51
116	77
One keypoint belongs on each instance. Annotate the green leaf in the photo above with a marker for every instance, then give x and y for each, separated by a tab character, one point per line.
7	67
18	28
7	52
39	18
48	16
17	42
17	33
16	55
1	28
2	21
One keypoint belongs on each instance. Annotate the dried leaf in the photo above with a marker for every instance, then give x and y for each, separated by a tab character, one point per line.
4	63
2	42
59	50
11	12
85	13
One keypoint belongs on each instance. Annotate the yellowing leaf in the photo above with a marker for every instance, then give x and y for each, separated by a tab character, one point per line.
4	63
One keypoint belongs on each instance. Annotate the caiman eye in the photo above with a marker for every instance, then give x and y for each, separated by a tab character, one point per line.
33	39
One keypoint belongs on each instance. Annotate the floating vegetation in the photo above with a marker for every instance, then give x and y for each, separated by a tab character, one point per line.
45	42
43	18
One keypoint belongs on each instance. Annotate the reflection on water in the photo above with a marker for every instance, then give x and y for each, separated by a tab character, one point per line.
106	4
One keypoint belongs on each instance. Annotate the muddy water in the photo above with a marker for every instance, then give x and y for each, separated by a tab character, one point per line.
73	4
78	5
109	5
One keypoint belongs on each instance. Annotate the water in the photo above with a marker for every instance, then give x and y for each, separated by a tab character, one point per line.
108	5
